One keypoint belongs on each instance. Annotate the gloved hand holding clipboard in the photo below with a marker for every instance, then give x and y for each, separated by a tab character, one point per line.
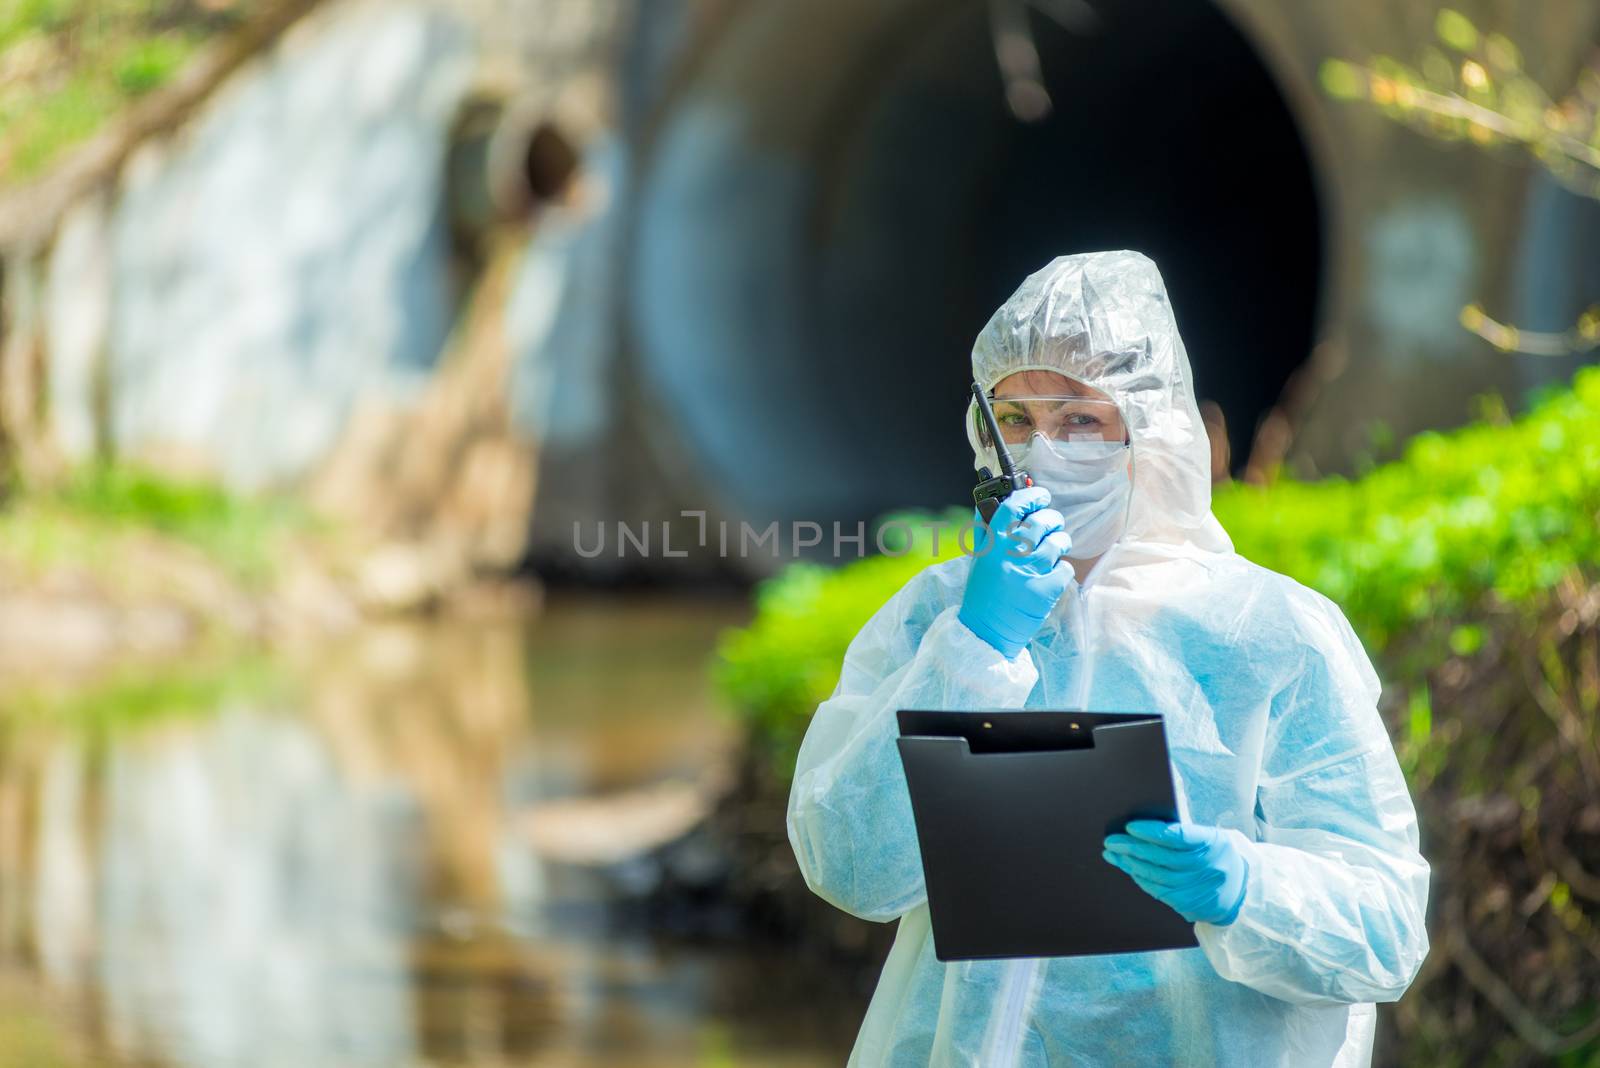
1012	809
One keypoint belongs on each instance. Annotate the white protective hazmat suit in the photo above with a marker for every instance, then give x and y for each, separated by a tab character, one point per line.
1270	708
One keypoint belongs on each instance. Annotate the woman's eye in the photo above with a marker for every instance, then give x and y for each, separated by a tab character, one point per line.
1012	419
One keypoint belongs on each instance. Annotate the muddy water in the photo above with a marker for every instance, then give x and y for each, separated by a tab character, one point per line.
333	862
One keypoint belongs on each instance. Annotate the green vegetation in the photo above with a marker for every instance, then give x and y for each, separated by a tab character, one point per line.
120	534
80	521
66	66
777	669
1499	512
1470	566
1500	509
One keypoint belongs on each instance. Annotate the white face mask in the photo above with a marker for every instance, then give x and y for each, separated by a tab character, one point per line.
1089	485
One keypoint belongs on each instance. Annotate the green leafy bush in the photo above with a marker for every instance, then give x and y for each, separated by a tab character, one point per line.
1502	508
787	660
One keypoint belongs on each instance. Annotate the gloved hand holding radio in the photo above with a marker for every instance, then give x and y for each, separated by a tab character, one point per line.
1018	572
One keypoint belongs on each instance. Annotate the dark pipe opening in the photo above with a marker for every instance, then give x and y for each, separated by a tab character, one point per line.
840	197
549	162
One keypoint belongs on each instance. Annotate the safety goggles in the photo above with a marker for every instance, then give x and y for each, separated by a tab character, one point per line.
1057	418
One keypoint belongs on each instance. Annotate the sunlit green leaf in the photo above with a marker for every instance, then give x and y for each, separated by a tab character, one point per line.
1456	30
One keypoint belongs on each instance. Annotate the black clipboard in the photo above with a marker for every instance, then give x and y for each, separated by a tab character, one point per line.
1012	809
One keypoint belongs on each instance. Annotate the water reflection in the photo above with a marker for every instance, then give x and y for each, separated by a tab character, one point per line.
338	869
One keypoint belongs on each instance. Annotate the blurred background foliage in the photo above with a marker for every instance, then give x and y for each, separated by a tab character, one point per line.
67	66
1471	86
80	516
1470	566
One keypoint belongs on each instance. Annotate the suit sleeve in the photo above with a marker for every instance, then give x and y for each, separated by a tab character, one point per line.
849	813
1337	891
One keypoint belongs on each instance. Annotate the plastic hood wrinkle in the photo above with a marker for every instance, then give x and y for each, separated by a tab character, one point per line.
1104	319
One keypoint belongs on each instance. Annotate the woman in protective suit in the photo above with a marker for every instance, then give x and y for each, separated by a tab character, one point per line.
1297	853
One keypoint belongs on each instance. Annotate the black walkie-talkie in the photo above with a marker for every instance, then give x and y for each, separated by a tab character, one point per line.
991	488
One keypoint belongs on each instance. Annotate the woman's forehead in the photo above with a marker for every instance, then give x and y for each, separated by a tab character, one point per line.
1044	384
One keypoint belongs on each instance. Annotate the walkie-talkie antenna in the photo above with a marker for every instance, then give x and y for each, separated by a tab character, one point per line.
1008	467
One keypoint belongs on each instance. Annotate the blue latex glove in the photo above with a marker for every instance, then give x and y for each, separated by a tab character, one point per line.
1018	571
1199	871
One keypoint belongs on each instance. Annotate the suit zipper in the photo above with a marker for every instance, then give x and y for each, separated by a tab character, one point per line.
1009	1038
1080	696
1008	1041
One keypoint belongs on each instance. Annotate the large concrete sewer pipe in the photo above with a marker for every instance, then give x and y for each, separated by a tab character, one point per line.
837	195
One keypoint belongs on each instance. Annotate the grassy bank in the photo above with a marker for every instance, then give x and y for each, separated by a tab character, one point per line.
123	589
83	519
